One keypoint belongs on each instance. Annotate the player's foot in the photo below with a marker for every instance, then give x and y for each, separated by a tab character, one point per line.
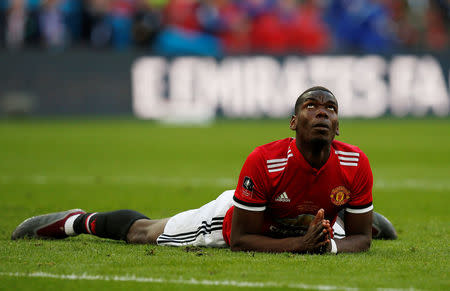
45	226
382	228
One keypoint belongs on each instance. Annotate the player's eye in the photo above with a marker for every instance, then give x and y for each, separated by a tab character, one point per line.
332	108
310	106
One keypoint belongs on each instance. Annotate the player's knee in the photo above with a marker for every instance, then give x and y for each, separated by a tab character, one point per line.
139	232
138	238
145	231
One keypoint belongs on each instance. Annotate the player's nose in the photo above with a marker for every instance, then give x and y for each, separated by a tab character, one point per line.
321	112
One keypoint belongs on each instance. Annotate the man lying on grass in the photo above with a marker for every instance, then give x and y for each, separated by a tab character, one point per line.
308	194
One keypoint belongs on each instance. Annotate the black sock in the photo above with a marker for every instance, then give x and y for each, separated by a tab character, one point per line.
113	224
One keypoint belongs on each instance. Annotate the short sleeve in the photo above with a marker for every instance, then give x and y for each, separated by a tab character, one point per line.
251	190
361	200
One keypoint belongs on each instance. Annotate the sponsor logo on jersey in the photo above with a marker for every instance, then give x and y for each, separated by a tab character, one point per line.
247	186
280	232
308	207
292	226
283	198
340	195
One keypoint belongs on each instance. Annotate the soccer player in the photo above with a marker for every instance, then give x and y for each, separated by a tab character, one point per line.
289	197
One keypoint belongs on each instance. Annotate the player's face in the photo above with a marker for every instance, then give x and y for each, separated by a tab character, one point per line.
317	118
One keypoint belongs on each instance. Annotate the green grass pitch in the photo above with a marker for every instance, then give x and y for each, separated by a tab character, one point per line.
100	165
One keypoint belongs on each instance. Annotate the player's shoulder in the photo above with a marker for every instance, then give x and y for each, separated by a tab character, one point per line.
274	148
272	151
349	155
346	148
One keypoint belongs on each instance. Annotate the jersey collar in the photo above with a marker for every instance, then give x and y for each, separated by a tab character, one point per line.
298	156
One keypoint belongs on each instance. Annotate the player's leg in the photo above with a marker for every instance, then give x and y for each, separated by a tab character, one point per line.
114	225
145	231
197	227
132	226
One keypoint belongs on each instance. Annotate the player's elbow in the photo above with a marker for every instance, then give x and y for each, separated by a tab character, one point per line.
366	243
234	248
236	245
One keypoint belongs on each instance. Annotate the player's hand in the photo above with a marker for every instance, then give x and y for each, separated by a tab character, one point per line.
327	247
318	234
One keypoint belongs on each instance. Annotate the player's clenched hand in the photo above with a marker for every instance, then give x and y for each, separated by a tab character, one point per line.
326	248
317	236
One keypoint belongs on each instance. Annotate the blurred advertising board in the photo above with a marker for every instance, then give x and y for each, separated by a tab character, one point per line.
69	83
198	88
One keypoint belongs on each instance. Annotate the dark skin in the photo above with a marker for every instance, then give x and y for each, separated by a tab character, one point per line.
316	124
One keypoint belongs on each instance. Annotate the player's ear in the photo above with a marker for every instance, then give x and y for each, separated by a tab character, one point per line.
337	129
293	122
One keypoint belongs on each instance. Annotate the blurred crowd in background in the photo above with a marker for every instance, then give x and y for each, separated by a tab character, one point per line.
218	27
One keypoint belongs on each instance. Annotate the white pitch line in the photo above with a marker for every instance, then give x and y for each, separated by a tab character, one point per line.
228	182
231	283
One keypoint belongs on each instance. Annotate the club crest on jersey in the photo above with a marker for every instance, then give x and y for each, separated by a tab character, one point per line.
340	195
248	186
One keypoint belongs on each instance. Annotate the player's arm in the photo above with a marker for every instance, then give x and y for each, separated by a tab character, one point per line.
250	200
246	234
358	231
358	214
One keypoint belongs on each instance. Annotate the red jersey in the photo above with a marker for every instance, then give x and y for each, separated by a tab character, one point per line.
278	180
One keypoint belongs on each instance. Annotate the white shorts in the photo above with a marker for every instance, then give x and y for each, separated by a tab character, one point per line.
202	227
198	227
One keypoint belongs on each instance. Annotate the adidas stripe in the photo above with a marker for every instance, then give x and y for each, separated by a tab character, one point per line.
277	165
186	237
348	158
347	153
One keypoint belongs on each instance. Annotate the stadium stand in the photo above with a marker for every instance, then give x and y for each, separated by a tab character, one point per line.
223	27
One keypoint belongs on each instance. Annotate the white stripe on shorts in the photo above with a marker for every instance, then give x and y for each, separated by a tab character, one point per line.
187	237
